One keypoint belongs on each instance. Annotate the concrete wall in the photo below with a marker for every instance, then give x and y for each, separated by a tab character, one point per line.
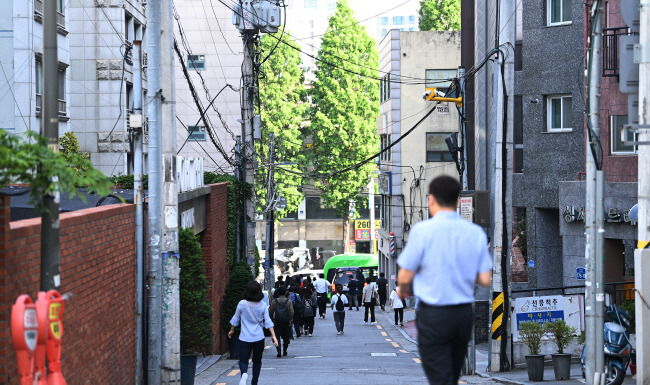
7	61
98	101
548	158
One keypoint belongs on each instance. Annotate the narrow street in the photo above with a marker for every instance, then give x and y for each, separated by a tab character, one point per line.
377	354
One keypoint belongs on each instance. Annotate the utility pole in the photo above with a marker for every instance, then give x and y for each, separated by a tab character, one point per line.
270	217
500	179
154	115
248	167
462	117
137	135
642	254
50	230
371	206
171	339
594	226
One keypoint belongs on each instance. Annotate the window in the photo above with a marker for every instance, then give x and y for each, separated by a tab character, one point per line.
384	88
196	133
382	21
439	78
386	212
310	4
62	110
59	6
39	77
411	19
411	29
196	62
398	20
437	150
559	117
616	129
558	12
385	143
518	57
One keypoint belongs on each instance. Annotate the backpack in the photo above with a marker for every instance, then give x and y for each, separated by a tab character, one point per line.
308	311
297	303
281	311
340	306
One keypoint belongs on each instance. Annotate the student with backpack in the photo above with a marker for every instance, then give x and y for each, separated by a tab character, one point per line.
294	296
308	311
281	311
338	309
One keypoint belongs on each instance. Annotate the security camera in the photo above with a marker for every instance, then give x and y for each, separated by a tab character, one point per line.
426	94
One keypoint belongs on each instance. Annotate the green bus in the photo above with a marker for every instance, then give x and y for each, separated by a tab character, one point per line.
368	264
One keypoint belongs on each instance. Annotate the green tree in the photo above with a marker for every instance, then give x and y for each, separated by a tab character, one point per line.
32	162
283	110
345	102
69	148
439	15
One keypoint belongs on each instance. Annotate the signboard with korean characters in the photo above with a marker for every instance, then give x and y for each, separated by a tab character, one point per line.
362	229
543	309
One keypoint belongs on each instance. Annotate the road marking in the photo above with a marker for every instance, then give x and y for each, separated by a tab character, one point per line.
302	357
417	360
267	347
383	354
232	374
359	370
395	344
388	339
221	383
461	382
384	334
379	327
403	351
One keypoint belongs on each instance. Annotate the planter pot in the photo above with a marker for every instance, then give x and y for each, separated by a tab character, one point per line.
535	366
562	366
233	347
188	369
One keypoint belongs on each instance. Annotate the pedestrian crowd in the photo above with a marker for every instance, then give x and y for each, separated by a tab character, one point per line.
291	311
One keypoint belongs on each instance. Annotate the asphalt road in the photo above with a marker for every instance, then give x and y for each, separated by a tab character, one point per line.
377	354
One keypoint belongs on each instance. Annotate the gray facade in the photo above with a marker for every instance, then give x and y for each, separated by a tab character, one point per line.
552	66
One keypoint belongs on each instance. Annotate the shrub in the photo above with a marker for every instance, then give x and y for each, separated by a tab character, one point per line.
240	275
561	333
628	306
531	334
196	310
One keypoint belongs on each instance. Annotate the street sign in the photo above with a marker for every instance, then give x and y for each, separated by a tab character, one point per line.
531	263
580	273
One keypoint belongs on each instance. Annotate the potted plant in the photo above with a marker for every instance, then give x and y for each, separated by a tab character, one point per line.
240	275
196	309
561	334
531	335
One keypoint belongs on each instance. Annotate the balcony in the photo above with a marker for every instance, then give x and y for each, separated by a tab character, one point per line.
39	104
611	37
63	112
38	10
62	108
60	17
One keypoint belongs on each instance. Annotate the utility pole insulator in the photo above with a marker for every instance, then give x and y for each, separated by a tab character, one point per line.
262	16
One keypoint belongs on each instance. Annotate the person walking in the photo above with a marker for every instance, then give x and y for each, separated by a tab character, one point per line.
308	311
296	301
382	285
369	300
444	258
398	304
338	309
281	310
321	286
253	317
352	292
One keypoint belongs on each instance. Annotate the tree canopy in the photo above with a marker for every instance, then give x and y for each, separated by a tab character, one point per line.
439	15
283	110
345	106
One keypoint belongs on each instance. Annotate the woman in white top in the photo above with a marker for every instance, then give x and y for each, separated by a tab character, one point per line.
398	305
252	315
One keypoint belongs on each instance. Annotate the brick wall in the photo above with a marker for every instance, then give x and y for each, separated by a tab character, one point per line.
97	271
213	242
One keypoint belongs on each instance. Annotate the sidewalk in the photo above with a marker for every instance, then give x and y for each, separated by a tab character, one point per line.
517	376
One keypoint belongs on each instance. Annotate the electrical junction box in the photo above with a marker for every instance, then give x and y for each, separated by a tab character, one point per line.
256	15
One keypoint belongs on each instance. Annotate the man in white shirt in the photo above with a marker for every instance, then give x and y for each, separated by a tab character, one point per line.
339	301
321	286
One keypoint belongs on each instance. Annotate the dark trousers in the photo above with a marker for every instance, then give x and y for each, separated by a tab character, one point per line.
369	306
283	334
443	335
339	320
352	301
322	303
245	349
382	298
296	325
399	312
308	325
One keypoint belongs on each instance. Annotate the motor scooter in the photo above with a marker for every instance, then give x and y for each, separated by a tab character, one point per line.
617	345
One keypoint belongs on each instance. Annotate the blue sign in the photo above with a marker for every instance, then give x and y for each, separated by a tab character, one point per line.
531	263
540	317
580	273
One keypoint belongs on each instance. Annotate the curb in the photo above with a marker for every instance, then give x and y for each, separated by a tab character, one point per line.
408	338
